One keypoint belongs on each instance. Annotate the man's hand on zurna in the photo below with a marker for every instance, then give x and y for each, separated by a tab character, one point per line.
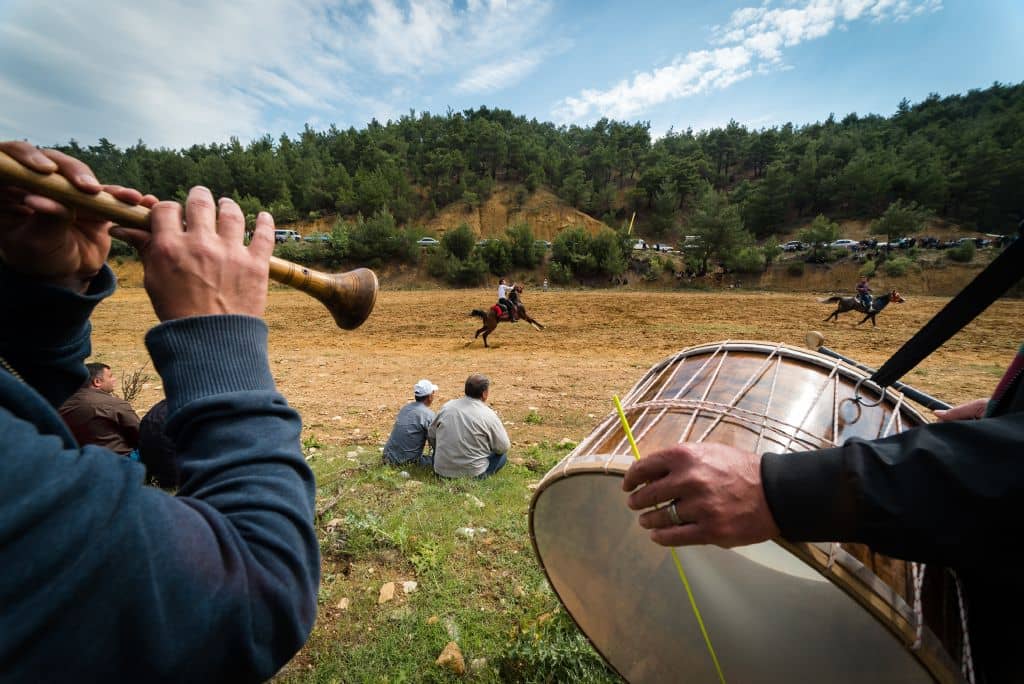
42	238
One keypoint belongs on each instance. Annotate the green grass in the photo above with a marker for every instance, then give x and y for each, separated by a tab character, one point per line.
487	592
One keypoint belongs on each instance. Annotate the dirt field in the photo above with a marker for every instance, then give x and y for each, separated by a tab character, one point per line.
348	385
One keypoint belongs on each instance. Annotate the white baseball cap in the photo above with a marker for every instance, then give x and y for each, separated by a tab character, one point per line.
423	388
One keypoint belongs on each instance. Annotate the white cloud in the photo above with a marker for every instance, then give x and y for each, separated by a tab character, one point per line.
494	76
753	41
179	72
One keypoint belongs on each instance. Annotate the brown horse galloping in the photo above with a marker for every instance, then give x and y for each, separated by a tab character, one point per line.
844	304
493	315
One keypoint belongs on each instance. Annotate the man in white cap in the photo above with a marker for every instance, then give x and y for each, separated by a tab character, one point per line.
409	435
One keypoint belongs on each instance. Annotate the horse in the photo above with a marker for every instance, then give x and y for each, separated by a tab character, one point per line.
845	304
494	315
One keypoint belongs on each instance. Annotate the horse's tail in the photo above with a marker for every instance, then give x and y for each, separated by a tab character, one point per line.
828	300
478	312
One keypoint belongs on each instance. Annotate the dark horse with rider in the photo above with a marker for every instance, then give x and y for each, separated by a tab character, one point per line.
509	308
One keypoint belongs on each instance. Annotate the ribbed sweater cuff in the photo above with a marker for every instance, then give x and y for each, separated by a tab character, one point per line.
202	356
805	494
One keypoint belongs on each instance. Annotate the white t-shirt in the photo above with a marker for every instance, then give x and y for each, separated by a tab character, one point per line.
502	291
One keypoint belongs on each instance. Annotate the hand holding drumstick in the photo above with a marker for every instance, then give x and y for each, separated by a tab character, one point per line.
716	492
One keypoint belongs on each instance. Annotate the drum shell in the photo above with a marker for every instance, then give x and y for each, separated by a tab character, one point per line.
759	397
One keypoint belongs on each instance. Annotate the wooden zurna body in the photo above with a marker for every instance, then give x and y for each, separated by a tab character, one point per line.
777	611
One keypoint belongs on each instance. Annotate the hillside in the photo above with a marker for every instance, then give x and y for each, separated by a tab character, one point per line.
545	212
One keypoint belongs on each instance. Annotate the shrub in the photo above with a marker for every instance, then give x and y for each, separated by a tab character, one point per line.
554	651
964	253
299	252
459	242
472	271
524	250
118	248
868	269
439	263
559	273
746	260
795	268
897	266
497	255
377	239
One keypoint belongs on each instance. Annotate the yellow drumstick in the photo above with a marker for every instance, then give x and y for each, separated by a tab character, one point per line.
675	556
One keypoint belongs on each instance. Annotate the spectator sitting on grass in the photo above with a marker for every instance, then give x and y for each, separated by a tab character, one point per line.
468	436
409	434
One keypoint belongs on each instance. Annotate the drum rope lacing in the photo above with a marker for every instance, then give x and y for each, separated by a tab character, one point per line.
917	571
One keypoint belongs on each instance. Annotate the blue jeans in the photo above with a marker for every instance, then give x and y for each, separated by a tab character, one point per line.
495	462
423	460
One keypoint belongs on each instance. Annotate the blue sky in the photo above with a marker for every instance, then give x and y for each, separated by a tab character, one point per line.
177	73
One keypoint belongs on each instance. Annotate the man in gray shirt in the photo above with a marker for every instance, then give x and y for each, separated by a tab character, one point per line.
409	435
468	437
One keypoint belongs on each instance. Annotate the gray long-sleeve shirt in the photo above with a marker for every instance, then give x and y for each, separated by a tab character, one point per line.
465	432
409	434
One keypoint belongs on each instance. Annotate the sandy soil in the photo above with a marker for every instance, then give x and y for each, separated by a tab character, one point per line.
348	385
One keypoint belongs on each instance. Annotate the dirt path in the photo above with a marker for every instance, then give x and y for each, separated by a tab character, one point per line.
348	385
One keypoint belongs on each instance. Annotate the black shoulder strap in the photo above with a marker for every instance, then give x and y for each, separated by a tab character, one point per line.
1005	270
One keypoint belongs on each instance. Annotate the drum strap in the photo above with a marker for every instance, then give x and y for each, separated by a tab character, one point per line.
1005	270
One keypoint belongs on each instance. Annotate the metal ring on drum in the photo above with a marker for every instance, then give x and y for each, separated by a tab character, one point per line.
777	611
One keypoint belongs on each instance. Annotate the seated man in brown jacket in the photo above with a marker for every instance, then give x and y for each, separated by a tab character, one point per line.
96	416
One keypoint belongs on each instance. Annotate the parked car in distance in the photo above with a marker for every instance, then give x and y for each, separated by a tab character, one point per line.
284	235
317	237
428	242
843	242
542	243
660	247
793	246
640	244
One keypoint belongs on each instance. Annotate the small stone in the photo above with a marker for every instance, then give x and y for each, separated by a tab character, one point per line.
433	620
565	441
412	484
475	501
478	664
533	408
467	532
351	454
387	592
451	658
343	604
409	587
517	460
404	475
532	486
333	522
520	592
335	417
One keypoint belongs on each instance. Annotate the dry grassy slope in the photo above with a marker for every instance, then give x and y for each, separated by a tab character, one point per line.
546	213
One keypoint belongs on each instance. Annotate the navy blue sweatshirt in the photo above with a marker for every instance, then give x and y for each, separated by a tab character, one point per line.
105	579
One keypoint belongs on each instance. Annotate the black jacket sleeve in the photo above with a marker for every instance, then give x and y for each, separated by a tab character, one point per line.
940	493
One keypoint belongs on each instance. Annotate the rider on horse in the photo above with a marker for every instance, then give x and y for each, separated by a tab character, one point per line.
864	294
504	291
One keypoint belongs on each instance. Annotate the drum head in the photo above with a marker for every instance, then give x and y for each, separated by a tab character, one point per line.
770	617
